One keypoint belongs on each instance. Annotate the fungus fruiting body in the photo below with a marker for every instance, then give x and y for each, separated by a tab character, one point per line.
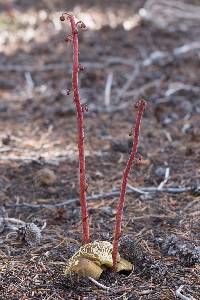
91	259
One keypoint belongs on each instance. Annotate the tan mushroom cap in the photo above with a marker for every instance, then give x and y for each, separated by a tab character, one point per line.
91	259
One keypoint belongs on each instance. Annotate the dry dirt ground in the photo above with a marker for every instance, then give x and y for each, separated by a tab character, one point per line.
129	58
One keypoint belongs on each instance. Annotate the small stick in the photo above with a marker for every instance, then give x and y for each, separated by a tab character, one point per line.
130	80
181	296
108	90
29	82
117	232
161	185
14	221
80	125
139	191
175	190
99	284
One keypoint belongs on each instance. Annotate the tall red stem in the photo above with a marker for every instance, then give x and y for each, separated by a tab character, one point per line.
80	125
118	223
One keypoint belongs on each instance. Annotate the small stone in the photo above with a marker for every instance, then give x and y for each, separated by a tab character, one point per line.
3	107
46	177
160	172
81	67
6	140
123	146
169	118
7	84
107	210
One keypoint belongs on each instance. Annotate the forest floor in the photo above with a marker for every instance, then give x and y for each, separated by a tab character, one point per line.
129	58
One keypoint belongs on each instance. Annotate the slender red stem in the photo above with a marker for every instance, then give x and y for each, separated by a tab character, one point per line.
118	223
80	125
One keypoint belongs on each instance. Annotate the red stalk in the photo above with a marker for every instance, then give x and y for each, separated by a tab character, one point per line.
80	124
118	223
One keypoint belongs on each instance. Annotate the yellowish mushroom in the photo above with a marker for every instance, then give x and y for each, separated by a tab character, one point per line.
124	265
86	268
91	259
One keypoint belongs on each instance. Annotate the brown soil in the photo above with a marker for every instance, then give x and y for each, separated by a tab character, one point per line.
38	130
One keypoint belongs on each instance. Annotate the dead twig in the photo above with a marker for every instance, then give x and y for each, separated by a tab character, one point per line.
141	90
164	13
186	48
100	285
181	296
139	191
14	221
174	190
175	87
130	80
117	60
108	90
62	66
29	83
163	217
5	149
110	60
165	57
165	179
45	68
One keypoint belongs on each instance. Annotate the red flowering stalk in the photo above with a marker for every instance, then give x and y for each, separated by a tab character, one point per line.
80	124
140	105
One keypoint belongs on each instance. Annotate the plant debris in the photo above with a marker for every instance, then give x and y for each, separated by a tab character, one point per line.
45	177
30	234
185	250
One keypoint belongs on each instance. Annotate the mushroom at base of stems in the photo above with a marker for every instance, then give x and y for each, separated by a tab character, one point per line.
93	258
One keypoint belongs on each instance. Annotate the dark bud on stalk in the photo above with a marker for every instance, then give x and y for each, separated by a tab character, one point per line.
68	38
81	67
86	186
130	133
143	102
138	160
84	107
137	104
81	24
62	18
140	103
